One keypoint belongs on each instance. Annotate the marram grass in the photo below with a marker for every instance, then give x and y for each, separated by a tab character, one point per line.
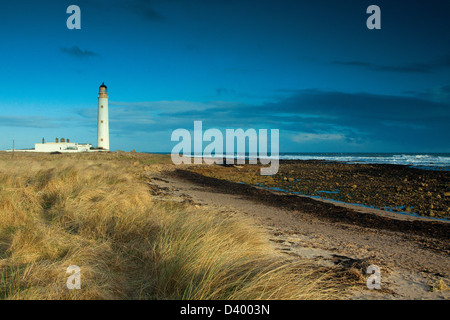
96	212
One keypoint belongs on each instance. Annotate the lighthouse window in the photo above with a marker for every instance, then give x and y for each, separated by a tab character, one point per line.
102	107
101	139
101	121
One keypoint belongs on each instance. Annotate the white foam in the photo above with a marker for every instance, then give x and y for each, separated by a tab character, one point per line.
416	160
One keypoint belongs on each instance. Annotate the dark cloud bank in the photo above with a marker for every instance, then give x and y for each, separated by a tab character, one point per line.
403	123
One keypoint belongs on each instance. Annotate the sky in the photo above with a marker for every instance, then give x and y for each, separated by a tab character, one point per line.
311	69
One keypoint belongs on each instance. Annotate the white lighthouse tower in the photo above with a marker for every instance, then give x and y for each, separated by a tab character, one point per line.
103	123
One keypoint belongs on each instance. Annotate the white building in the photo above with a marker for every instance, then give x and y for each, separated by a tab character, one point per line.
61	146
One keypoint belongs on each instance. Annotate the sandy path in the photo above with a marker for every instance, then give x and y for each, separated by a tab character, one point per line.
409	263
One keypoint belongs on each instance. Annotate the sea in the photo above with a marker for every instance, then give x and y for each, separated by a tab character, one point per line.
427	161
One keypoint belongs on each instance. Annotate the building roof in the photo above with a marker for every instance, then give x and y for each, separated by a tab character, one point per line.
103	85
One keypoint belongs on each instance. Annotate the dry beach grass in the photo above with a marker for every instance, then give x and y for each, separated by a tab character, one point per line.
95	211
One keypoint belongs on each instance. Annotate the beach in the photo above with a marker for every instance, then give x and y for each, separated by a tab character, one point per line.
412	250
140	227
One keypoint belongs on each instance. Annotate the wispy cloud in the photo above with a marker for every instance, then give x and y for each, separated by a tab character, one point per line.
428	67
145	9
30	122
439	94
306	137
79	53
162	106
408	68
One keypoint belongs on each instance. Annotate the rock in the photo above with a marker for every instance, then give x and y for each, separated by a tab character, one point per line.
439	286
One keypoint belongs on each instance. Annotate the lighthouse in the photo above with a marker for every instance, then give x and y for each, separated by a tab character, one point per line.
103	124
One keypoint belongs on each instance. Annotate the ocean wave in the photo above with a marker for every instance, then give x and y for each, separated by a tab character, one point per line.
416	160
422	160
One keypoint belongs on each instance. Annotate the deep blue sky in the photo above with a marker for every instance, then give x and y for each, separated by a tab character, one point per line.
309	68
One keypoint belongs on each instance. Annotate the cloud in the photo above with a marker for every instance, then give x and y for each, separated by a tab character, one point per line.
79	53
397	122
307	137
321	109
313	118
408	68
30	122
162	106
424	68
439	94
225	92
145	10
442	94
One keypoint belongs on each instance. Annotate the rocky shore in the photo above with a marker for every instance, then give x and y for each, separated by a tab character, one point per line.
387	187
